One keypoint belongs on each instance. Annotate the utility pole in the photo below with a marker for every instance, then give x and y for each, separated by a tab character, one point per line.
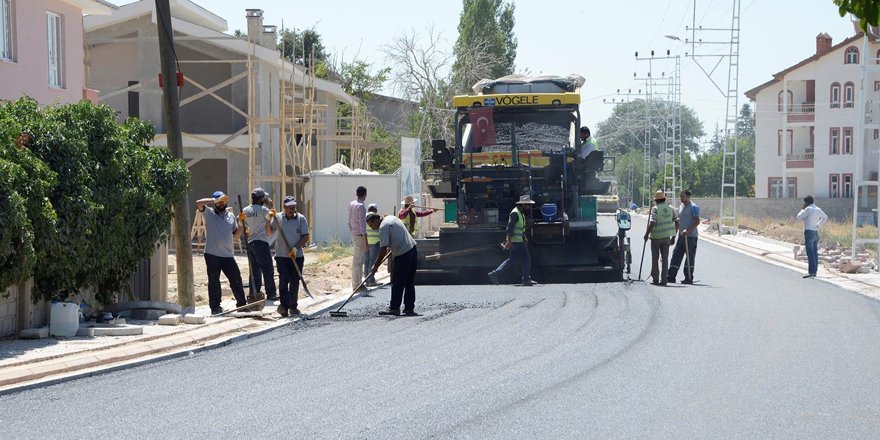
171	110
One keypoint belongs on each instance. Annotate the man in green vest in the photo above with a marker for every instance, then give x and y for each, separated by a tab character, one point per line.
372	248
516	241
662	228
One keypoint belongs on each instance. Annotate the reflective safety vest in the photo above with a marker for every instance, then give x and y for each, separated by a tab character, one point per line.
372	236
665	227
410	222
519	229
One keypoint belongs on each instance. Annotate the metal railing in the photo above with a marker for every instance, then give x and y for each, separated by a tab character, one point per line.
799	156
802	109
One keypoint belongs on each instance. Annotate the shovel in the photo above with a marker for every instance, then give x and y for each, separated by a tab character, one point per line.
295	266
338	313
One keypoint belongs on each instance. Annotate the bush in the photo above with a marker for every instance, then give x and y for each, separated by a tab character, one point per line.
107	196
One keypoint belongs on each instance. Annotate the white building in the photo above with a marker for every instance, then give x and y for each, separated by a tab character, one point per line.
807	123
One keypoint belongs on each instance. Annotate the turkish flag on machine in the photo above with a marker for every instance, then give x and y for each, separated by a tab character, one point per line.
482	126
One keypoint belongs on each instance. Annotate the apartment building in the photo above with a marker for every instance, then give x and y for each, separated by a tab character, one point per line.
807	123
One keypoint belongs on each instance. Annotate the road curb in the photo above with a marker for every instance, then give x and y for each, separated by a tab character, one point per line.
172	352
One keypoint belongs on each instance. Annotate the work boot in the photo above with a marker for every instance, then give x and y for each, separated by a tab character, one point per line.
528	282
410	312
217	310
389	312
671	280
281	310
493	277
687	281
295	311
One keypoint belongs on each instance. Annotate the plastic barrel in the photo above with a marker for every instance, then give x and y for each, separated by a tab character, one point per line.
548	212
64	319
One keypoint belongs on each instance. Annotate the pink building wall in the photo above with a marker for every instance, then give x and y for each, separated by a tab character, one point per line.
29	73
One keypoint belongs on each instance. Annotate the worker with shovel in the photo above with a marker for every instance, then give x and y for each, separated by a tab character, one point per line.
688	220
259	254
408	214
662	228
516	241
394	238
295	230
221	228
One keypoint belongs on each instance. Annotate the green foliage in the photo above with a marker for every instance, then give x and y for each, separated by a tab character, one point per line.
98	199
386	160
867	11
487	24
304	44
745	123
625	128
359	81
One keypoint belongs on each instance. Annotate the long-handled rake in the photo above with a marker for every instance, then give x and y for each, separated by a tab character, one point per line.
293	250
338	313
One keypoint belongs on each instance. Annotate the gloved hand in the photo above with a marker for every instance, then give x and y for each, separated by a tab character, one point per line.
242	216
292	254
271	213
672	241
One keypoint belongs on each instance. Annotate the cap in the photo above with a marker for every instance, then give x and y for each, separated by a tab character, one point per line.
659	195
259	192
372	205
408	200
217	194
289	201
525	200
373	216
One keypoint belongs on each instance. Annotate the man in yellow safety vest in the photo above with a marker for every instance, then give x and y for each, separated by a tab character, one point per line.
516	241
408	214
662	228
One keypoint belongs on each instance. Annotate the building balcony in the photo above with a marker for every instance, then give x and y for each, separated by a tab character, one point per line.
801	112
799	160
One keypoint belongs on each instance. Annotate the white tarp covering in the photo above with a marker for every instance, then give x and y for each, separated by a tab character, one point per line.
569	82
342	170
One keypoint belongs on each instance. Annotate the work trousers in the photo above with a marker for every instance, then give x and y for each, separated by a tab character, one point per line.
373	254
659	249
519	253
260	260
811	244
677	257
357	260
229	267
288	280
403	280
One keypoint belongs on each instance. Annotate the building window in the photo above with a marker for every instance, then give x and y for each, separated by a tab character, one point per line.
849	91
56	50
834	186
851	56
847	186
779	100
834	141
6	32
847	140
775	187
835	95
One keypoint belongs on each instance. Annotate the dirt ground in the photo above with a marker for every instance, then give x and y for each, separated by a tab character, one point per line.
331	277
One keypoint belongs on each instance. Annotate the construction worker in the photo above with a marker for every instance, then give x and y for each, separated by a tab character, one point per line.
373	248
394	238
408	214
221	228
357	226
258	252
661	229
688	221
516	241
588	144
296	233
813	217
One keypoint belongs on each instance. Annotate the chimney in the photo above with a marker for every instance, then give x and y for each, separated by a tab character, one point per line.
823	44
254	25
270	36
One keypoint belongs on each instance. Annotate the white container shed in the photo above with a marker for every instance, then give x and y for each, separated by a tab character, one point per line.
328	196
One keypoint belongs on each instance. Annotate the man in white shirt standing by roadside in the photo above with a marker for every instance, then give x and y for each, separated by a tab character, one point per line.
357	225
813	217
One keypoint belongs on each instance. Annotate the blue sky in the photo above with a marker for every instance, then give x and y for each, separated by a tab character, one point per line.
592	38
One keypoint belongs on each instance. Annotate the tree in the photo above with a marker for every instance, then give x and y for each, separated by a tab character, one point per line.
358	79
745	124
305	45
867	11
625	128
716	143
485	25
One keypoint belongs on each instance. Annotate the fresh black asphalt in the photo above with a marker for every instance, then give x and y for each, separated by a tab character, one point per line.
754	352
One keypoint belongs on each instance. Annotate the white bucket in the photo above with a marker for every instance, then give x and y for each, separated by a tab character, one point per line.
64	319
492	215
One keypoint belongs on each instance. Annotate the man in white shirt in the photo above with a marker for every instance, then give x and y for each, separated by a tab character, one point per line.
813	217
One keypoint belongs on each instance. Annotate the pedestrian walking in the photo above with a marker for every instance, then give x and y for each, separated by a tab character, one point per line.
372	248
516	241
661	231
408	214
394	238
258	251
357	226
221	228
688	221
813	217
295	228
